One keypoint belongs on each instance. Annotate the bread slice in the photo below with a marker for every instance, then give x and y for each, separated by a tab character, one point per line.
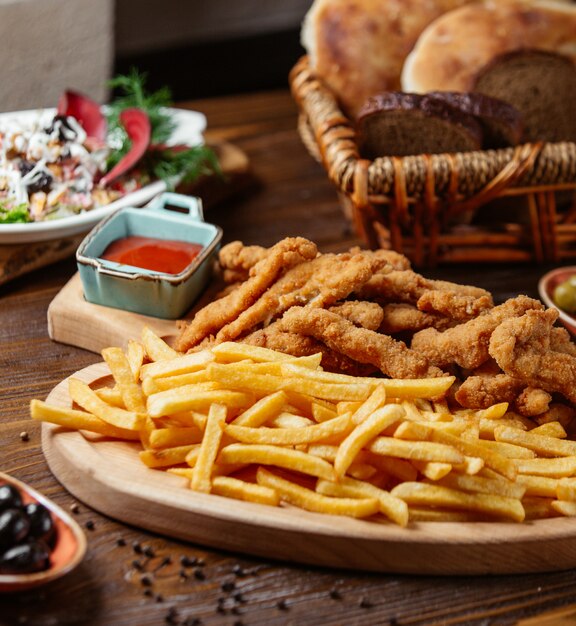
501	122
358	47
401	124
454	48
541	85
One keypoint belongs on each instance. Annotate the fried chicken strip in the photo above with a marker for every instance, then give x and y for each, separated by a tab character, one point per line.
391	357
480	392
320	283
467	344
301	345
236	260
408	286
285	254
521	347
365	314
402	317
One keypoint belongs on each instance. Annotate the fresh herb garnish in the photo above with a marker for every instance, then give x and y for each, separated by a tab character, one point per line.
13	215
161	162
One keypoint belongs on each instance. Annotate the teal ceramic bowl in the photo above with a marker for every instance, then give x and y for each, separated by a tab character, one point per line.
170	217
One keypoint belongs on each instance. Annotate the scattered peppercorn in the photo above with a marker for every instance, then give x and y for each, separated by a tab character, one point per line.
228	586
199	574
148	592
238	570
159	597
171	616
75	508
24	436
335	594
146	580
187	561
149	552
239	598
136	546
281	604
89	525
183	574
120	542
136	564
365	604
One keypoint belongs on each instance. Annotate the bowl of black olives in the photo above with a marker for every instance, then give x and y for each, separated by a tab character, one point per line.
557	289
39	541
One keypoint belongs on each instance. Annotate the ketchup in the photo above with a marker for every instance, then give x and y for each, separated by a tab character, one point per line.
159	255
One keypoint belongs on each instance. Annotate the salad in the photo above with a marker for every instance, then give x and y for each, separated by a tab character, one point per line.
84	156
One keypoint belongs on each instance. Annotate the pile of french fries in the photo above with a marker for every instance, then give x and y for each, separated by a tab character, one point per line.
253	424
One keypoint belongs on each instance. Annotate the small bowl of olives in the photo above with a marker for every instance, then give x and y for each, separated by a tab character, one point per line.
39	542
557	289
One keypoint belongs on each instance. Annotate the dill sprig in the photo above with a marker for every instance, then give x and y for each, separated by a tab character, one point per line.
167	164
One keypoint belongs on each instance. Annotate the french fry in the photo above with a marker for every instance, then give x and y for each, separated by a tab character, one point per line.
123	374
135	353
564	507
152	385
312	501
394	508
202	478
166	457
541	444
156	348
111	395
431	470
364	432
177	366
262	411
416	450
554	468
291	436
174	436
480	484
539	508
538	485
188	398
432	495
242	490
78	420
289	420
81	393
229	351
280	457
550	429
566	489
237	378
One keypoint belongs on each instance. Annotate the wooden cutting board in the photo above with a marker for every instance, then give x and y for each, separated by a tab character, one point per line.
109	477
74	321
19	259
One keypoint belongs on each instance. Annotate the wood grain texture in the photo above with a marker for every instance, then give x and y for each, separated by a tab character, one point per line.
117	583
109	477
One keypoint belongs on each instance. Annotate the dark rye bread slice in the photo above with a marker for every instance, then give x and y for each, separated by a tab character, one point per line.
401	124
541	85
502	123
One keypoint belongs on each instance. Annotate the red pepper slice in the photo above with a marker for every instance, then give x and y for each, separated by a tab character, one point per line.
137	125
86	111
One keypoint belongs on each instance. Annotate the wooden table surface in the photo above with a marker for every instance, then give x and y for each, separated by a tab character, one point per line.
132	577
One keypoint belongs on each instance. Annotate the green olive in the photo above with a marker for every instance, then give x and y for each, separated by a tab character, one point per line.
565	296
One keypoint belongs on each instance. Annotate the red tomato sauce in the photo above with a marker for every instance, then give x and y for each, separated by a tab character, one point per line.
159	255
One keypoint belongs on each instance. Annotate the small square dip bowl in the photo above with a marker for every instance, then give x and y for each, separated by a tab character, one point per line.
170	216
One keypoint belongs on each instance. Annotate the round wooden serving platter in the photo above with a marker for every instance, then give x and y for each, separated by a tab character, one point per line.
109	477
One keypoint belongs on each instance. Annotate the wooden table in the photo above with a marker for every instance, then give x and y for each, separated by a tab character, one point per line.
112	586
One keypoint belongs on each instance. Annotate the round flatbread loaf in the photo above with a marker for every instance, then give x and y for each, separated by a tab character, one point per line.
454	49
358	47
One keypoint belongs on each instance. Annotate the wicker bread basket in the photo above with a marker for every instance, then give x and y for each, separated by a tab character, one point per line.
513	204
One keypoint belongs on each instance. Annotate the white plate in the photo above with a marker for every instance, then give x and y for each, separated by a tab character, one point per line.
189	129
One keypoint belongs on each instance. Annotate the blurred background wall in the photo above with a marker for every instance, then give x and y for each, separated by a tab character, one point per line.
198	48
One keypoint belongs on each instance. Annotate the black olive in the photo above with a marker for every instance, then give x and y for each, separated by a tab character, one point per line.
41	522
32	556
10	497
14	526
41	182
